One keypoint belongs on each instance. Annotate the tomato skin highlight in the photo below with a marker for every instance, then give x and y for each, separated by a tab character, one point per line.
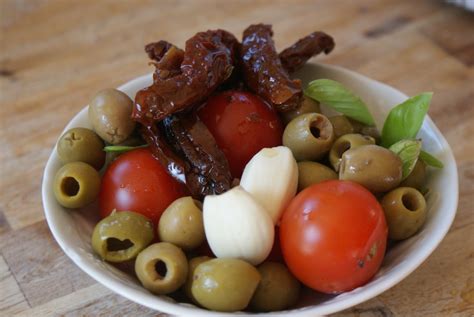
242	125
333	236
137	182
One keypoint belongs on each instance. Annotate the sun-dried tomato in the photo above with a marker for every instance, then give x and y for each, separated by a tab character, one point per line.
184	145
295	56
208	61
263	72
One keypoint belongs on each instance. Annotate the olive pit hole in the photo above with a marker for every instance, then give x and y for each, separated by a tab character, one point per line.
70	186
319	129
315	131
114	244
161	269
409	202
343	147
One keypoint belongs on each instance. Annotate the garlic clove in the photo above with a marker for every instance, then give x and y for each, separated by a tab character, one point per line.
271	177
237	226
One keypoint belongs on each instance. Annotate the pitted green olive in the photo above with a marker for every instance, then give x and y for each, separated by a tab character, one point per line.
310	173
277	290
162	268
81	145
405	212
76	185
341	125
372	132
416	179
344	143
372	166
181	224
121	236
307	105
224	284
309	136
365	129
110	114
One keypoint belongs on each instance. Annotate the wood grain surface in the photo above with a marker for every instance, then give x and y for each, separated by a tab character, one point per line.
54	55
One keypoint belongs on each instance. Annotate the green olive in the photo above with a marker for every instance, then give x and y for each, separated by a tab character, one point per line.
310	173
416	179
76	185
192	265
374	167
307	105
277	290
181	224
309	136
344	143
121	236
341	125
110	114
224	284
405	212
81	145
372	132
365	129
162	268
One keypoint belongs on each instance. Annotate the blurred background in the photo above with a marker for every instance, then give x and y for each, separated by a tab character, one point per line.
56	54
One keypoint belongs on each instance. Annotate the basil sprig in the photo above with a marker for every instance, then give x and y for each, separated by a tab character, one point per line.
401	125
335	95
408	151
405	120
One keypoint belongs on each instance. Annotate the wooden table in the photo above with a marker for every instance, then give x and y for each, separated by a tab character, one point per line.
55	55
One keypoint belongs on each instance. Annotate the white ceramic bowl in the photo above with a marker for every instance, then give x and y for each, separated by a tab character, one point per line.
73	229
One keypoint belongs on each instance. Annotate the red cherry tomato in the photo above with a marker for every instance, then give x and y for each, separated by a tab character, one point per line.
333	236
242	125
136	181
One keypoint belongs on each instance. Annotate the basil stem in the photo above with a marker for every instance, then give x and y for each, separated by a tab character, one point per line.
122	148
430	160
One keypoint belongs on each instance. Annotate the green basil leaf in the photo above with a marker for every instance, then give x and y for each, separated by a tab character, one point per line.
122	148
408	151
338	97
430	160
405	120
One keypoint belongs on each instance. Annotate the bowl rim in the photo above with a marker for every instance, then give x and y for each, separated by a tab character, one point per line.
185	309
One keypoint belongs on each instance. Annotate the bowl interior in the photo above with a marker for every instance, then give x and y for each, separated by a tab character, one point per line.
73	229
